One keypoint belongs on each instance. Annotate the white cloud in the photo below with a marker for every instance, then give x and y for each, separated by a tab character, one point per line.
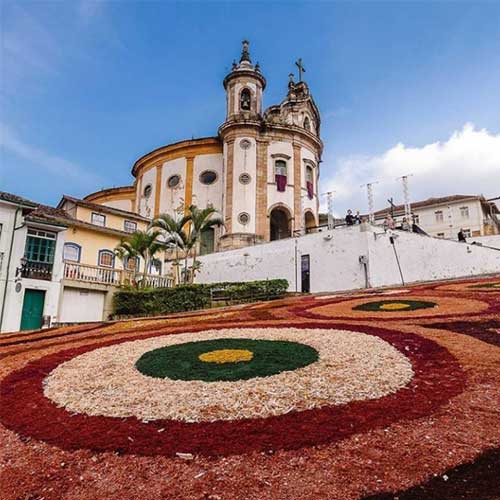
467	163
45	162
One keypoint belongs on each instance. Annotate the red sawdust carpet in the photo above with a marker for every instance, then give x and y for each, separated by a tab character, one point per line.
434	437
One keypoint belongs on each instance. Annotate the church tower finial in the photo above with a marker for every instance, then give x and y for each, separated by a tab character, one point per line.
245	55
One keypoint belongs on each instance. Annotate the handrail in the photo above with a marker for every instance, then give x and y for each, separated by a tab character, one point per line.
87	273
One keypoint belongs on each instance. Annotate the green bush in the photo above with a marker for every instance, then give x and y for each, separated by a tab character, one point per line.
132	302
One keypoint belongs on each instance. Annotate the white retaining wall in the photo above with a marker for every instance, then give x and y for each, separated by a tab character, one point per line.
334	257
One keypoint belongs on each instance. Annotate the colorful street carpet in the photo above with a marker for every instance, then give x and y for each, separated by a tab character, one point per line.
385	394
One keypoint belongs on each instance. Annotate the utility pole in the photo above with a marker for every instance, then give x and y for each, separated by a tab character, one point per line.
369	193
406	194
329	198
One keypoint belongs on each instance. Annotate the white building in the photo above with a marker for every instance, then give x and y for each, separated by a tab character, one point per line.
30	265
444	217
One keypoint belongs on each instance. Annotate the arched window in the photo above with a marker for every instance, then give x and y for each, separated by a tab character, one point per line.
310	181
106	258
245	100
280	174
131	264
72	252
155	266
307	123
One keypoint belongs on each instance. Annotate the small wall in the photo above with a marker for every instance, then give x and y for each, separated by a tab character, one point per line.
334	260
490	241
425	259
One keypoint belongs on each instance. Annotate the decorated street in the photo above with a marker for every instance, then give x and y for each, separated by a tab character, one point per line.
383	394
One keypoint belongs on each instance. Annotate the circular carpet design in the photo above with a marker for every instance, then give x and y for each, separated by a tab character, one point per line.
225	359
422	306
292	369
94	396
394	305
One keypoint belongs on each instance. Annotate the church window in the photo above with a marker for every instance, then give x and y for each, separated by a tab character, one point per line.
208	177
245	144
72	252
148	190
245	100
243	218
173	181
307	123
106	258
280	174
309	182
245	178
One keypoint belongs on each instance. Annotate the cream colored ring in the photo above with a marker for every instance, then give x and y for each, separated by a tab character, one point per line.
351	366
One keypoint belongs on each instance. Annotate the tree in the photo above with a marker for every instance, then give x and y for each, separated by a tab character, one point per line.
183	234
175	237
199	221
143	244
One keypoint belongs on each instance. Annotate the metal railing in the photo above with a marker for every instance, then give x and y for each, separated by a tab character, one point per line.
36	270
114	277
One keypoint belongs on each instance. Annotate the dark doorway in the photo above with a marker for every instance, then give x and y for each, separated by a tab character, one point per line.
280	224
310	222
305	273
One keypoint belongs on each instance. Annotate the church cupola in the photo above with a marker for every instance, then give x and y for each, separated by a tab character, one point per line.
244	86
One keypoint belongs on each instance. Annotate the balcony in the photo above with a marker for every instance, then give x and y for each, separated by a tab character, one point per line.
36	270
84	273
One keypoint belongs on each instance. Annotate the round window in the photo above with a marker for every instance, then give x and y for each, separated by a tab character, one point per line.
173	181
208	177
245	144
243	218
148	190
245	178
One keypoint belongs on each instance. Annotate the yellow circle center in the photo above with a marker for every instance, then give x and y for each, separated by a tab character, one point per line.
226	356
395	306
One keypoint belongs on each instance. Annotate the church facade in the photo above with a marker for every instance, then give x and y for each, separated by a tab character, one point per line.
260	172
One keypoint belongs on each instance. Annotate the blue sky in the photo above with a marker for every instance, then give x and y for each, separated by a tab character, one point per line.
88	87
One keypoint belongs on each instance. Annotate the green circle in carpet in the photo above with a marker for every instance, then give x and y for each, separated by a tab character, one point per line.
186	361
395	305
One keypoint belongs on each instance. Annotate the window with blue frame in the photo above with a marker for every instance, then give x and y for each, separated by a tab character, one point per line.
132	263
72	252
106	258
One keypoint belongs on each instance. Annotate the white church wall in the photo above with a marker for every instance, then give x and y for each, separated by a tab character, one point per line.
203	194
425	259
244	195
334	263
334	260
146	205
491	241
172	198
273	195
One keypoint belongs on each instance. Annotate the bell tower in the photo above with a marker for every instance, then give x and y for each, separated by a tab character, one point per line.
244	86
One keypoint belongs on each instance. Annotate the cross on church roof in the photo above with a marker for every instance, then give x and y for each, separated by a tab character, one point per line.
301	68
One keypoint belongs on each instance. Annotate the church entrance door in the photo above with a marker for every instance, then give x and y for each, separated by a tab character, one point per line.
280	224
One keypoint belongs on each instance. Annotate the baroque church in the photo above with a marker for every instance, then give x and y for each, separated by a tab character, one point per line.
260	172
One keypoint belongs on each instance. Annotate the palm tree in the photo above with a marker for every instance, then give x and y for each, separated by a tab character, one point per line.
140	244
201	220
174	235
184	233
